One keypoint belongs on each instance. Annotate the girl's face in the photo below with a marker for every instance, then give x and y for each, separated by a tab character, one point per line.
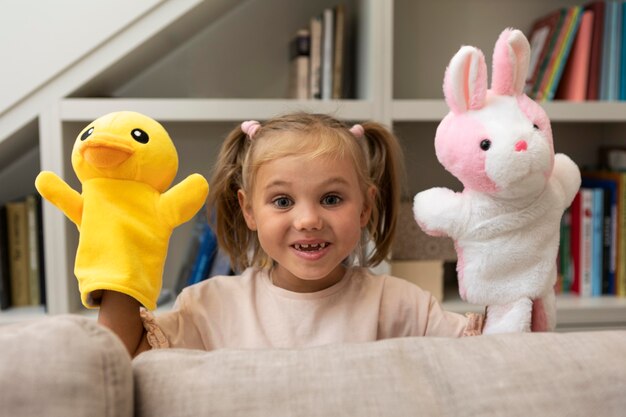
308	214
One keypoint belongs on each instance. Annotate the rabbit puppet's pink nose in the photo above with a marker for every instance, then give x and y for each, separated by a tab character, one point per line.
521	145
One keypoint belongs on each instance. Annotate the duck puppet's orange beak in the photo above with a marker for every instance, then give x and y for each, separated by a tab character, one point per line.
105	152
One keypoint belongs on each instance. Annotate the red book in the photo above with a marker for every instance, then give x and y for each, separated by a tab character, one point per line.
595	55
573	85
575	241
581	241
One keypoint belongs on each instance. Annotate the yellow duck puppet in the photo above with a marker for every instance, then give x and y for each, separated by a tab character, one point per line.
125	162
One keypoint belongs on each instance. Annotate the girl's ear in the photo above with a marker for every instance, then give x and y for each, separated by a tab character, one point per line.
511	57
367	206
465	81
246	209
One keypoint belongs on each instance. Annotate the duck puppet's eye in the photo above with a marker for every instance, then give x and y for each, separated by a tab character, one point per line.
140	136
87	133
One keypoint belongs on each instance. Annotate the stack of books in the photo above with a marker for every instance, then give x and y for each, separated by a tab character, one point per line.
577	54
592	254
22	276
318	55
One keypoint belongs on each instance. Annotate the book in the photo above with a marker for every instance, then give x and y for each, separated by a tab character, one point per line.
573	85
299	57
32	209
597	240
184	274
565	266
555	20
17	226
609	88
609	230
595	55
41	252
541	39
5	277
559	55
412	244
204	258
328	44
339	52
315	68
426	274
583	286
622	63
615	39
220	264
620	267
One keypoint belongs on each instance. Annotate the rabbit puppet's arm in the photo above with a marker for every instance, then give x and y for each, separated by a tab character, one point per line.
514	317
438	211
567	175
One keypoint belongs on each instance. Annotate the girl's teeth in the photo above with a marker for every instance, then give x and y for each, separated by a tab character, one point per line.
313	246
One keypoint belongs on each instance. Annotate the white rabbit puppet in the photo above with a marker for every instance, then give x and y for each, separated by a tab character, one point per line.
505	223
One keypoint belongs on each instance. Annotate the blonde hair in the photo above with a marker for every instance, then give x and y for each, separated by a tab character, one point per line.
376	156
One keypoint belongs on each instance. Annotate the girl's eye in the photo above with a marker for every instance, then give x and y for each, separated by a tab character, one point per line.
282	202
331	200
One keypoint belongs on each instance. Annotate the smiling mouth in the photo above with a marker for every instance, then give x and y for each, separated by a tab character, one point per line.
310	247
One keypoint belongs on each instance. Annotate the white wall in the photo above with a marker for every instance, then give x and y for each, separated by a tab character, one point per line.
40	38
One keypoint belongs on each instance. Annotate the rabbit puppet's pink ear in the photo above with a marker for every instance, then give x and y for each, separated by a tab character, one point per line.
465	81
511	58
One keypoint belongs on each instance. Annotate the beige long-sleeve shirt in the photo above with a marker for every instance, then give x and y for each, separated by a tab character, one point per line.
248	311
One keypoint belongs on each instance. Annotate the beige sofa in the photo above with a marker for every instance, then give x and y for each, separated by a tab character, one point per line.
70	366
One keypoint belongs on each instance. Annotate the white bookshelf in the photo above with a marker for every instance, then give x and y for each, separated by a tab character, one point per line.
236	69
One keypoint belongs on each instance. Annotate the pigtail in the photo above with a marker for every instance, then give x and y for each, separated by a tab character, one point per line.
385	165
230	225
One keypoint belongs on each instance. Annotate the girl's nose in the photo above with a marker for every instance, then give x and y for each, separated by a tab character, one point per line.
307	218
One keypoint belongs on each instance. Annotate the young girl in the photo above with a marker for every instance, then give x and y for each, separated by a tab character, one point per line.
297	200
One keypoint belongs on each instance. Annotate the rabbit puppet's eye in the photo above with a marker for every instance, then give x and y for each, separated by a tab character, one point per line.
535	126
485	144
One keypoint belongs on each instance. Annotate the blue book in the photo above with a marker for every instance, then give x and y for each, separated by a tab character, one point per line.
204	258
597	241
611	51
609	231
616	52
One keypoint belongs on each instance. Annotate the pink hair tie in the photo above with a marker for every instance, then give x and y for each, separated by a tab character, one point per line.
250	127
357	131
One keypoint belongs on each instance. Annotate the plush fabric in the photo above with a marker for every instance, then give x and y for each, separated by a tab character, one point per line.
64	366
125	162
527	374
505	223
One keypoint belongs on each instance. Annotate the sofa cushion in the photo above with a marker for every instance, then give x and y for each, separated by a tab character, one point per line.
64	366
576	374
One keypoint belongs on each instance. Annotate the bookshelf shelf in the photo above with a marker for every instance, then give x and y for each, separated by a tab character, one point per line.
432	110
211	110
573	313
399	65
